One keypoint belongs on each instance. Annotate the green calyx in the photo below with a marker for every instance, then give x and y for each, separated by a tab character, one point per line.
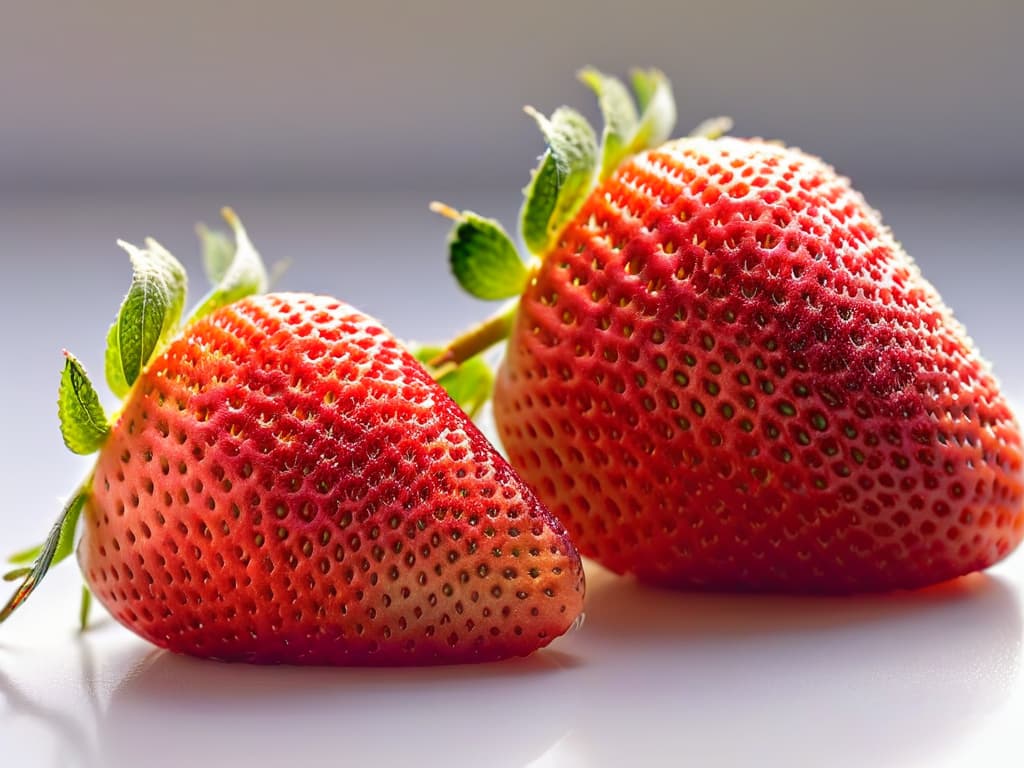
149	313
233	277
620	117
149	317
631	127
563	179
83	422
482	256
657	110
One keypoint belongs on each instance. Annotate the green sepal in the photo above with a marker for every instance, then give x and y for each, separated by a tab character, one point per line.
469	384
483	257
83	422
244	276
218	250
562	180
149	314
58	545
619	114
25	556
657	109
712	128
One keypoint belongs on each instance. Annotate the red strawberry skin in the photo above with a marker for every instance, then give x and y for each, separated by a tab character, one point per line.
729	375
287	484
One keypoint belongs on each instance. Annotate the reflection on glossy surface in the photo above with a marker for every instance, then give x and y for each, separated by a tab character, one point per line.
225	714
61	733
795	681
66	736
652	678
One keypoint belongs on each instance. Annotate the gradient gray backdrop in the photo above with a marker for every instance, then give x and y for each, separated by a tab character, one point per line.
115	94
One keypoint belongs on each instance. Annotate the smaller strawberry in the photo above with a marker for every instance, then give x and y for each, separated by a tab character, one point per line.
286	483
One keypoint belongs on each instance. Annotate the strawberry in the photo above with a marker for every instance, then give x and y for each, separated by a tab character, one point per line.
286	483
723	372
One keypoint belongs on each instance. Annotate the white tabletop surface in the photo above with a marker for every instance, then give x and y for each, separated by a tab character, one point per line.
930	678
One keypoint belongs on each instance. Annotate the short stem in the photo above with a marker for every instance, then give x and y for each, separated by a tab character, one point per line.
478	338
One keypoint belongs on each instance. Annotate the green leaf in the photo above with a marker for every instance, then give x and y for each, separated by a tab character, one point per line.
619	114
218	252
469	384
83	423
149	314
58	545
645	84
562	180
541	196
25	556
657	109
483	258
244	276
712	128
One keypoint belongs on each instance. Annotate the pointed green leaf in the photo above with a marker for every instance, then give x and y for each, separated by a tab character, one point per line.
149	313
483	258
541	196
712	128
657	109
562	180
66	538
244	276
469	385
25	556
83	423
644	85
218	252
619	114
58	545
18	573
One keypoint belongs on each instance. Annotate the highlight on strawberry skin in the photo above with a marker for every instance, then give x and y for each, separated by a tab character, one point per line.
285	483
723	371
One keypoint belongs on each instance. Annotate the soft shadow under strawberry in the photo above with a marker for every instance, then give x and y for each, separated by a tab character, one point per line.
227	714
617	605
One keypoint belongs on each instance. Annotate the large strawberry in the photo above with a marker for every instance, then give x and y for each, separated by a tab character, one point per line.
724	372
286	483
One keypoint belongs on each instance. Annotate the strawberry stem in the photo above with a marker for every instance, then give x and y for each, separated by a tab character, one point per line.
480	337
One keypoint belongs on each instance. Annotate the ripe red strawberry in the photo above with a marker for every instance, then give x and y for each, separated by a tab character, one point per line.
286	483
725	373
